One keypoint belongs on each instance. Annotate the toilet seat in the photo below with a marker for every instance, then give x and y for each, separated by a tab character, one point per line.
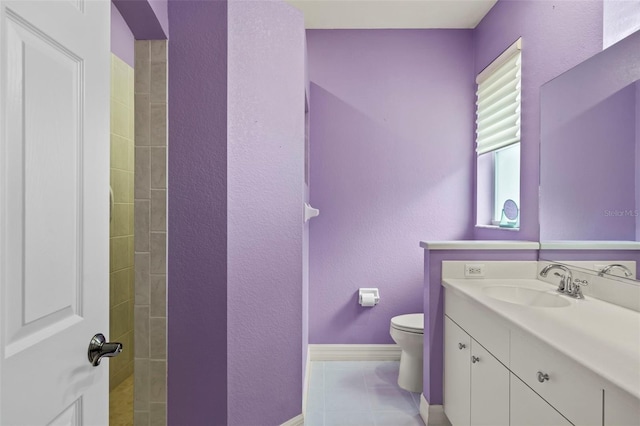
410	323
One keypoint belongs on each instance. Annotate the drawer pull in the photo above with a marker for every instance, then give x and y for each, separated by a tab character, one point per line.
475	359
542	377
461	346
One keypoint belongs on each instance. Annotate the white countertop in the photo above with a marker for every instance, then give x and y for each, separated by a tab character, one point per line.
603	337
480	245
589	245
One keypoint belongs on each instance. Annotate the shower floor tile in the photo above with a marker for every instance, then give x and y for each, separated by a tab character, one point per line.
359	393
121	404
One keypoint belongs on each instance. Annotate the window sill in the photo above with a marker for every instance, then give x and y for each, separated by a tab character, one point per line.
497	227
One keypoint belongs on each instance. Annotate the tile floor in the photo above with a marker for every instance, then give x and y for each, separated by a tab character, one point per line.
359	393
121	404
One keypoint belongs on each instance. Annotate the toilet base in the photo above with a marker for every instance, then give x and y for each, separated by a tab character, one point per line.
410	375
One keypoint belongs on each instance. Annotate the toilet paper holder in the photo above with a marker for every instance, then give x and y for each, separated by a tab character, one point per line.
368	297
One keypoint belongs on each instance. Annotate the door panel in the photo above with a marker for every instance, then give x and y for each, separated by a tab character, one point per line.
54	159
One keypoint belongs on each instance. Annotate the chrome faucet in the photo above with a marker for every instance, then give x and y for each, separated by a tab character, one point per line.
606	269
566	285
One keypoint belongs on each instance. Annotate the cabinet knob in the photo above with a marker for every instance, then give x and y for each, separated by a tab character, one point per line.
542	377
475	359
461	346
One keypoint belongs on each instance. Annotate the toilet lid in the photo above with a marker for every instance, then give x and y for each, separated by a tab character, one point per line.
413	323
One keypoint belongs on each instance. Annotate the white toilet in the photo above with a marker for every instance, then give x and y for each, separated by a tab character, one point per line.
408	331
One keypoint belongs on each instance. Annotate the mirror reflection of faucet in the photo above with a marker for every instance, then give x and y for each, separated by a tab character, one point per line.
608	268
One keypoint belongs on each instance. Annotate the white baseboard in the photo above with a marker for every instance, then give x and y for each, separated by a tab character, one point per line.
432	415
305	386
296	421
354	352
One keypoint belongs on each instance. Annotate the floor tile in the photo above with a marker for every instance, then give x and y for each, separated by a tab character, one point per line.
360	393
314	418
391	399
343	365
315	399
416	399
349	418
397	418
381	374
344	379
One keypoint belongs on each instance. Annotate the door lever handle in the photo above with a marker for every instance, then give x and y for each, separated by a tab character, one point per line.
99	348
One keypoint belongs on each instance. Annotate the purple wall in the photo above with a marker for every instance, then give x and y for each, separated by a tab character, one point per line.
148	19
588	171
391	163
555	37
434	306
122	41
266	88
197	252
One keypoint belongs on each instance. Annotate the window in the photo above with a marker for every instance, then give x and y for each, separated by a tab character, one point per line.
498	138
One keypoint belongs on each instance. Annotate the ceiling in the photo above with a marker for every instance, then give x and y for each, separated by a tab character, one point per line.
361	14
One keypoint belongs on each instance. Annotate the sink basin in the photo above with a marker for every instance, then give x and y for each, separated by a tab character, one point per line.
526	297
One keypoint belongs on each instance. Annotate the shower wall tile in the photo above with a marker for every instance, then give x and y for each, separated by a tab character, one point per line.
158	210
142	120
121	281
158	168
143	173
141	331
158	295
158	51
150	191
158	346
158	246
158	82
158	124
142	296
158	414
142	66
142	213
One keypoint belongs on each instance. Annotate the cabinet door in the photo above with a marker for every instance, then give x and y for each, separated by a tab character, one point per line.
457	374
620	408
529	409
489	388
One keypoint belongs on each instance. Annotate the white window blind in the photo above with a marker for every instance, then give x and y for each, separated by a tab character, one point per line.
498	102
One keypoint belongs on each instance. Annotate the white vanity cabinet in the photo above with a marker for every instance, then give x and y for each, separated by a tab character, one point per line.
518	379
528	409
476	390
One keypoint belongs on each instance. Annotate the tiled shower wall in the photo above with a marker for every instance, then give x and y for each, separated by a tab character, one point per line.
150	373
121	225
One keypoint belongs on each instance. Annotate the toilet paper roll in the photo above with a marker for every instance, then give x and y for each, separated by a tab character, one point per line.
368	300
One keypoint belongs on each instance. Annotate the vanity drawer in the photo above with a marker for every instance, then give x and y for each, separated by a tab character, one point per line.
573	390
485	326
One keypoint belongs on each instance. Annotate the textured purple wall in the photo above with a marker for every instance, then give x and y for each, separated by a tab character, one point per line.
556	35
434	306
122	40
391	163
587	168
265	224
197	252
148	19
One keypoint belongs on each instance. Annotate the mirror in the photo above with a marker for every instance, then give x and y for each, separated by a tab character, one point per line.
590	155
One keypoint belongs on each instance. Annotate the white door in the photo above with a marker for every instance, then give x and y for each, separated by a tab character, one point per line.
54	210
